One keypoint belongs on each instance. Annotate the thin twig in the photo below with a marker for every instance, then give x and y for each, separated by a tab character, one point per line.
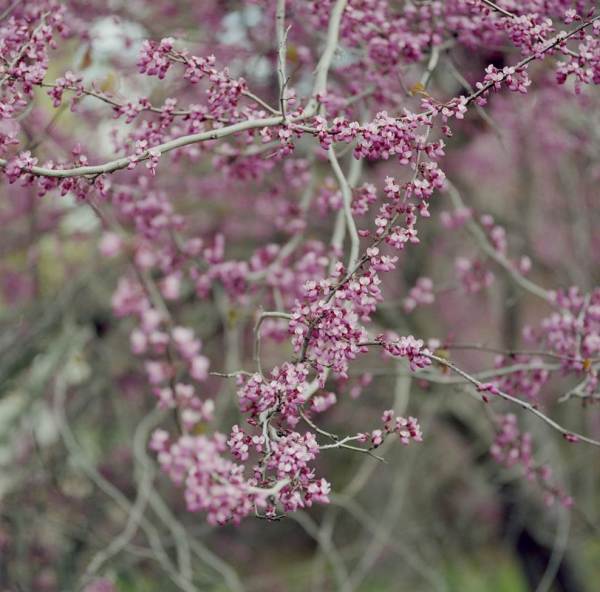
499	9
139	506
523	404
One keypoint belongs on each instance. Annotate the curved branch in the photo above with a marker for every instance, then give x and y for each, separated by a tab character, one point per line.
482	240
347	201
324	65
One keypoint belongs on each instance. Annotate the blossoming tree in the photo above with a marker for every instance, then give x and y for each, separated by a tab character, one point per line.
294	201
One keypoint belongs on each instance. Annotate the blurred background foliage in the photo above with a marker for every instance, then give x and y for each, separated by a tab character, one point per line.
75	407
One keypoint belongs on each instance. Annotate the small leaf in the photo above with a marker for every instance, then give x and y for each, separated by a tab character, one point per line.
292	53
86	60
442	353
110	83
417	89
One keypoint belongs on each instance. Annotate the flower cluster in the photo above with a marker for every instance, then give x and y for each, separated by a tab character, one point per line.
527	381
408	347
420	294
284	393
212	483
473	274
290	460
69	81
516	79
407	429
573	331
584	65
324	302
512	448
223	91
529	32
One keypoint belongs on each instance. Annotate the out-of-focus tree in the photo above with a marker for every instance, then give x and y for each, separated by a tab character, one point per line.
299	293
